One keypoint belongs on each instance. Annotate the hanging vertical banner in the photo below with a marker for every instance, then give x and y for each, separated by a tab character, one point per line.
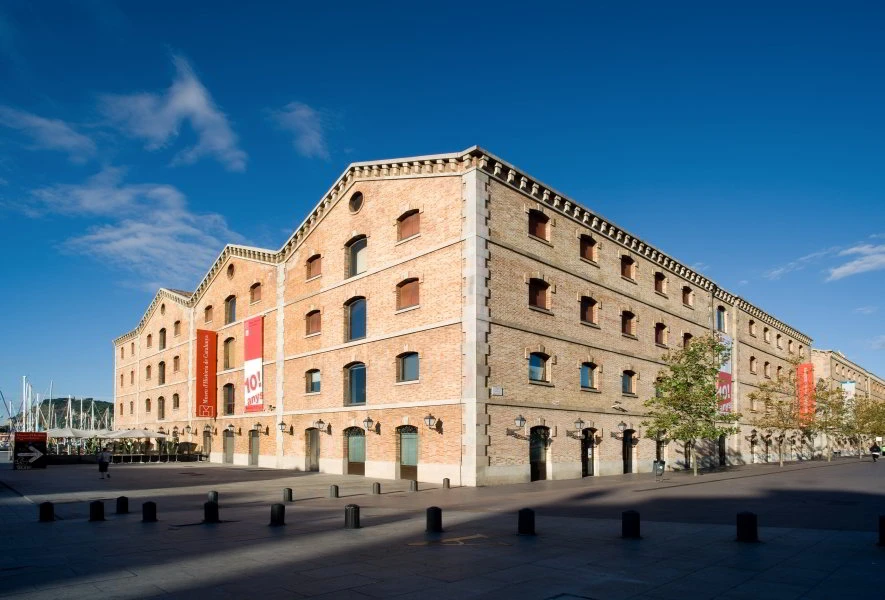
207	351
724	381
849	389
253	364
805	391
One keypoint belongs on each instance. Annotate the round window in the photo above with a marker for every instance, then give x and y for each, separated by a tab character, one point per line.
230	270
356	202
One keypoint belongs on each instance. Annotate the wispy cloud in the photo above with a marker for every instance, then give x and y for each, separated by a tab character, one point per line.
145	228
743	282
878	343
871	257
158	118
48	134
866	310
800	263
307	125
700	266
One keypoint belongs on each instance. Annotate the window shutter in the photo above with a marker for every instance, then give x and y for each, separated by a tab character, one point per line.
408	294
410	225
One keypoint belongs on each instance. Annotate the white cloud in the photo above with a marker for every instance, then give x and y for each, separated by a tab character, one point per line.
871	258
800	263
157	119
700	266
307	125
145	228
743	282
878	343
48	134
866	310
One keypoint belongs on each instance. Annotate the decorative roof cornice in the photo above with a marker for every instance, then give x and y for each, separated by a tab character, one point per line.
845	359
767	318
176	296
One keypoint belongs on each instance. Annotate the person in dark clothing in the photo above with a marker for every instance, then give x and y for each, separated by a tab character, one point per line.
875	451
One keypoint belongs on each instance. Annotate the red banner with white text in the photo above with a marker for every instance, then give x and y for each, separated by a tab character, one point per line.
805	391
207	352
253	363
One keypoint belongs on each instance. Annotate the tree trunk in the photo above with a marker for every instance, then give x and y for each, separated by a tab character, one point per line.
781	451
829	448
694	460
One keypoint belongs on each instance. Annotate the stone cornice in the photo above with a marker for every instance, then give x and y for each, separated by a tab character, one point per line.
767	318
835	354
162	293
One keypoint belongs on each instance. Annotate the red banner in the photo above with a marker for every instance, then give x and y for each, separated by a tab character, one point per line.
805	391
723	389
253	363
207	364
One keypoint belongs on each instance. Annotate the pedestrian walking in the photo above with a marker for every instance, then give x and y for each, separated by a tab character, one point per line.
104	459
875	451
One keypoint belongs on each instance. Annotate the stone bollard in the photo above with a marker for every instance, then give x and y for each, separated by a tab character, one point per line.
277	514
881	529
213	497
526	522
287	494
630	525
446	483
210	512
96	511
747	527
122	505
46	512
351	516
434	520
333	491
376	488
413	486
149	512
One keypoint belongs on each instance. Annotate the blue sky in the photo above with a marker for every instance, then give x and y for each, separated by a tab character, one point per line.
137	139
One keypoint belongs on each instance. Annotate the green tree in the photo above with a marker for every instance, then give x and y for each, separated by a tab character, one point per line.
780	408
686	407
830	409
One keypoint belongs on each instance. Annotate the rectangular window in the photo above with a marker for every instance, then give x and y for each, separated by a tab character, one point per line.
228	399
313	382
314	322
410	225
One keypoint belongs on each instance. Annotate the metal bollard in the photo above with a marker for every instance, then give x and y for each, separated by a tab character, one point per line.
96	511
881	530
149	512
446	483
46	512
213	497
287	494
747	527
376	488
413	486
630	525
351	516
434	520
122	505
210	512
526	522
277	514
333	491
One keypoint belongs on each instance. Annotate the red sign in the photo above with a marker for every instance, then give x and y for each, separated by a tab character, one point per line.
723	390
805	391
207	364
253	363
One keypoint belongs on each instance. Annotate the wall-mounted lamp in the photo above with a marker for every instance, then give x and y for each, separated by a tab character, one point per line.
519	432
320	424
258	428
230	428
188	429
579	424
430	421
282	426
368	423
207	429
622	426
519	422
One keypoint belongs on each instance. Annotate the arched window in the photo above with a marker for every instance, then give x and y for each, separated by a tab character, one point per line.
790	346
687	296
778	342
176	328
801	350
120	410
131	407
766	369
161	408
660	334
408	225
230	309
686	339
147	405
355	312
161	373
122	351
538	293
407	293
589	310
121	380
720	319
150	340
355	383
766	335
779	371
176	402
176	364
753	365
628	382
229	353
313	322
255	293
628	268
207	314
588	248
588	376
538	367
147	372
162	341
162	309
312	381
314	266
356	255
660	283
628	323
227	394
132	348
752	327
131	377
407	367
538	224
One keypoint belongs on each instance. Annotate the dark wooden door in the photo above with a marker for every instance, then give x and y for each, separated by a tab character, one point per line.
312	449
538	440
588	450
628	451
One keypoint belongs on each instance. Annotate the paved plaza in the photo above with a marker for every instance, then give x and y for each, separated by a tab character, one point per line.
817	528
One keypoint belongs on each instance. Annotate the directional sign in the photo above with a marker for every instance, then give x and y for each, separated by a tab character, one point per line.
29	450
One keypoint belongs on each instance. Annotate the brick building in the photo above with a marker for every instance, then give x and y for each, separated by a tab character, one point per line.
438	316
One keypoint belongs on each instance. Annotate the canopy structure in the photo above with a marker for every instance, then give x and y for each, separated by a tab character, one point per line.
70	432
133	434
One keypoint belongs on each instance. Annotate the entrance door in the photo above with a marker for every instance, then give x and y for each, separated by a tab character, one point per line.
588	451
538	440
628	451
254	442
228	457
356	451
408	452
207	443
312	449
723	458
